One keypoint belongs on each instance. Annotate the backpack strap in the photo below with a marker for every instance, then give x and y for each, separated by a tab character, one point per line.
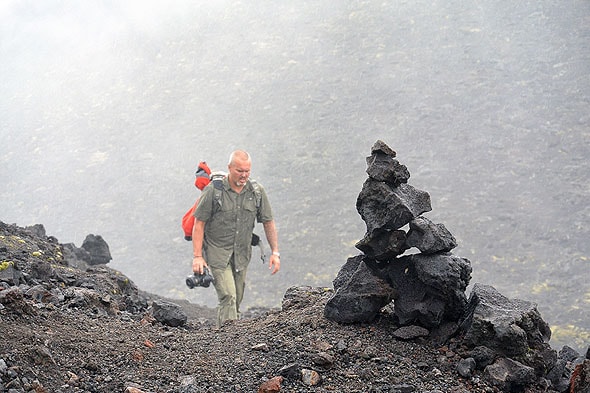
257	193
217	190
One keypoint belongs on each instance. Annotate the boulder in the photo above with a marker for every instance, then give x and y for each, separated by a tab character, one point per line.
430	288
347	270
98	249
76	257
384	207
511	327
509	375
170	314
37	230
429	237
383	245
360	298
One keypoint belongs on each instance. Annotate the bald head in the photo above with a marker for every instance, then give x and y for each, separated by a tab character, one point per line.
239	169
238	155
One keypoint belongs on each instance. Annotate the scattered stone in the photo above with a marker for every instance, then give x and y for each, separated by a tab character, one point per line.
273	385
14	299
3	367
9	274
323	359
509	375
260	347
42	355
98	249
310	377
411	332
404	388
41	271
131	389
170	314
580	380
465	367
291	371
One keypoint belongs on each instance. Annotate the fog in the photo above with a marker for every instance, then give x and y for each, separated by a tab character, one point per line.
107	107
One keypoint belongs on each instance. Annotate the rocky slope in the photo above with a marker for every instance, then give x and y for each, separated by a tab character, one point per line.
66	329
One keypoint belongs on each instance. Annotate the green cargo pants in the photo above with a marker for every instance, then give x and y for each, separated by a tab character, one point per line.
229	285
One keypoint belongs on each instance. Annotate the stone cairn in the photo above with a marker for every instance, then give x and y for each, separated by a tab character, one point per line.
505	338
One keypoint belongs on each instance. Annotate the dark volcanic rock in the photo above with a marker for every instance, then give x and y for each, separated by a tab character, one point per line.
507	338
383	207
360	298
347	270
98	249
168	313
511	327
508	326
509	375
383	245
429	237
382	166
580	380
430	288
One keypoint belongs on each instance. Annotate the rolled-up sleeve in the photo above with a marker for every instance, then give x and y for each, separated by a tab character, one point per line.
265	211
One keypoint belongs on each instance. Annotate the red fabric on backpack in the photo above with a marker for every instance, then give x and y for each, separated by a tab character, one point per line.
188	220
202	179
202	175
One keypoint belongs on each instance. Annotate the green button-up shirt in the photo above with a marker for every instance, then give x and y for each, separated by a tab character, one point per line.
228	228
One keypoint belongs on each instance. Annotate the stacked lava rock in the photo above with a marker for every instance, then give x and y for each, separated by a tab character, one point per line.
427	288
506	338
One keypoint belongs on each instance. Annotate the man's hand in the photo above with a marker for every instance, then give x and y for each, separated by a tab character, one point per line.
274	263
199	264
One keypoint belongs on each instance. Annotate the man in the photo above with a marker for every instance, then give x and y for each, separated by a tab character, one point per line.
222	233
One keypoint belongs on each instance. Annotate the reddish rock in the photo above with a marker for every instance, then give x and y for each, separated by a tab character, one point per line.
273	385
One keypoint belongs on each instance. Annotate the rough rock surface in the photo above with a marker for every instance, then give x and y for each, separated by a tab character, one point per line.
430	288
511	327
69	326
506	338
427	288
429	237
366	294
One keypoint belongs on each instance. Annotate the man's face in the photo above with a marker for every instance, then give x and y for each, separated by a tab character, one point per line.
239	172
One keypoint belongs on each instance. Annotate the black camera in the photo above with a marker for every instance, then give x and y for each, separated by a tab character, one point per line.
199	280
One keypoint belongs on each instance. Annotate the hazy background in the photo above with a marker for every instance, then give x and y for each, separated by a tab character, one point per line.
107	106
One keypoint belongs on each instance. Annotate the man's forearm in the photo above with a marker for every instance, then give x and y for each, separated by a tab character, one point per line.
198	233
270	231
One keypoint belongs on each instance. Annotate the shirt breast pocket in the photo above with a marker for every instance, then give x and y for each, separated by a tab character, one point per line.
249	204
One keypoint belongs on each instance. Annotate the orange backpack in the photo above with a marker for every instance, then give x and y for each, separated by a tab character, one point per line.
201	181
